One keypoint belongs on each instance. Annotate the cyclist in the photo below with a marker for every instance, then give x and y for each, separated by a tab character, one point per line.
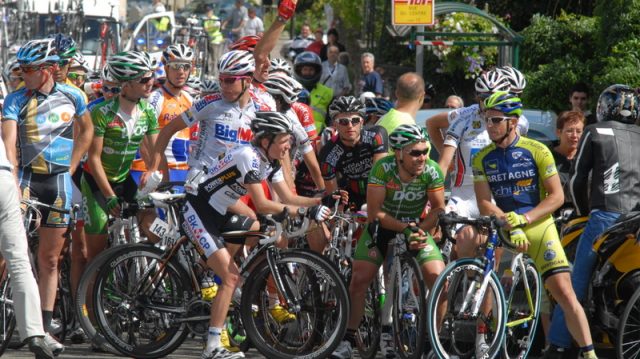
217	185
520	176
66	49
169	101
285	91
38	130
375	108
120	123
466	135
209	87
281	65
605	159
193	86
78	70
352	151
400	185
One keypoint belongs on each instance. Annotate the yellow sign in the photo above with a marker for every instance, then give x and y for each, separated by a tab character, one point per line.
412	12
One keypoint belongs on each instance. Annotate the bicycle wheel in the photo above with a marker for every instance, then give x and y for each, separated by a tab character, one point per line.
141	302
83	304
321	310
7	314
454	335
519	338
628	338
409	317
368	337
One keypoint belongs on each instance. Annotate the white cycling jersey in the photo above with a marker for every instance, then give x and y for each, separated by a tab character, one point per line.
300	142
223	126
467	133
224	183
262	99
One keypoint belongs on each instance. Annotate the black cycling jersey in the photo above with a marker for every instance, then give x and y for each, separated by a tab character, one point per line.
353	163
609	151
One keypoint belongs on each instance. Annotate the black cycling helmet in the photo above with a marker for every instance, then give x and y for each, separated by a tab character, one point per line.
346	104
307	58
270	123
618	103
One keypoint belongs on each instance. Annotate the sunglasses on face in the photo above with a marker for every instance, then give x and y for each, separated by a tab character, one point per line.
346	121
64	62
179	66
114	90
418	153
496	119
15	78
76	76
30	69
228	80
145	80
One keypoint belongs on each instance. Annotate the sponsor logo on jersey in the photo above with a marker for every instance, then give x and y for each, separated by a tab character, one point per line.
225	133
549	255
516	155
203	102
392	185
550	169
491	167
476	125
409	196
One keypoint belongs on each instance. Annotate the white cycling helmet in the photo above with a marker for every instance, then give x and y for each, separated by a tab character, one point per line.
209	86
177	53
237	63
79	61
105	75
490	82
516	78
130	65
280	84
280	65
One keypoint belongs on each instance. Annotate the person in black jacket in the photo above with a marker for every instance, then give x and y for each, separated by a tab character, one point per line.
608	151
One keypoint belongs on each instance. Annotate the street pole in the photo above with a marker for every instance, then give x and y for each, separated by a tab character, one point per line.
420	52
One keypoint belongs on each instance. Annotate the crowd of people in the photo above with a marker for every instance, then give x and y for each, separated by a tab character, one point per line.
268	135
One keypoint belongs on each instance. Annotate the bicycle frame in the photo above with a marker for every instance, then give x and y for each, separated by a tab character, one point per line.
518	266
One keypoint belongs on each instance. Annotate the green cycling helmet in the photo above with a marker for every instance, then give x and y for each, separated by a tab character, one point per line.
405	135
504	102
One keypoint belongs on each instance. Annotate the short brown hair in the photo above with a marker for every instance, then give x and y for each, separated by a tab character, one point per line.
569	117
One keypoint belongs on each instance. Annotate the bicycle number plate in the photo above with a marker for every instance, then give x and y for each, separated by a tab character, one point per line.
160	228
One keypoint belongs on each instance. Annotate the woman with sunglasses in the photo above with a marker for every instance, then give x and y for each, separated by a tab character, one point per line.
169	101
121	123
399	187
515	178
349	154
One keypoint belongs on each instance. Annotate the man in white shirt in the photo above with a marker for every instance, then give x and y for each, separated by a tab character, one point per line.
253	25
334	74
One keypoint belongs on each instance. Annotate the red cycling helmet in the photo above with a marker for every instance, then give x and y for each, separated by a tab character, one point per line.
246	43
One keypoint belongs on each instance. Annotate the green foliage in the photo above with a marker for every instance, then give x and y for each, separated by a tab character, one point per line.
622	66
619	21
469	60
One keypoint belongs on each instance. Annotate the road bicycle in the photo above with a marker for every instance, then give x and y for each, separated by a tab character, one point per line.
474	298
148	299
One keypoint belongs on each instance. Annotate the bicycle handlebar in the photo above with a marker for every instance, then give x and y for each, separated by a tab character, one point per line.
492	222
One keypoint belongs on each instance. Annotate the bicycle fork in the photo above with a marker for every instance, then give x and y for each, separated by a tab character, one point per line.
292	301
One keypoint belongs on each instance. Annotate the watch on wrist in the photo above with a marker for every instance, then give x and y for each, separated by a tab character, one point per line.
302	211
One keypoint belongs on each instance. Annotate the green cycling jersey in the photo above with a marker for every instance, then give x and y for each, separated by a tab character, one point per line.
121	136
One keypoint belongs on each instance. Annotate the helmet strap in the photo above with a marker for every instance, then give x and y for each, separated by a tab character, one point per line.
504	137
47	77
245	87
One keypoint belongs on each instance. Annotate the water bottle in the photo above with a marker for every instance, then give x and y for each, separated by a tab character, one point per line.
151	185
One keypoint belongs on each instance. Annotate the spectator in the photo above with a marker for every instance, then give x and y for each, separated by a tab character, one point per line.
308	69
454	102
410	94
300	42
579	99
234	24
371	80
158	6
332	39
569	127
334	74
430	94
254	25
212	27
318	43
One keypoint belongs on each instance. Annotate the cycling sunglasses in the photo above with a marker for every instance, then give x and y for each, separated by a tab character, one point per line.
114	90
179	66
354	121
228	80
496	119
418	153
145	80
76	76
30	69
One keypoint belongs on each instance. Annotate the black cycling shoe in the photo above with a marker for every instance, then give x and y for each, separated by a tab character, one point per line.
38	347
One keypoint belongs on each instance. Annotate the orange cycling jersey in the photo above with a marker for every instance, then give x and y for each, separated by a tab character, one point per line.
168	107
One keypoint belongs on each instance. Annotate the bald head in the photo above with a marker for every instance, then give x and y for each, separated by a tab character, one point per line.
410	87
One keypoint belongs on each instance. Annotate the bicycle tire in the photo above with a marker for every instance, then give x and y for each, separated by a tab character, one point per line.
519	339
368	336
409	302
456	335
83	303
7	314
628	338
322	320
142	324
